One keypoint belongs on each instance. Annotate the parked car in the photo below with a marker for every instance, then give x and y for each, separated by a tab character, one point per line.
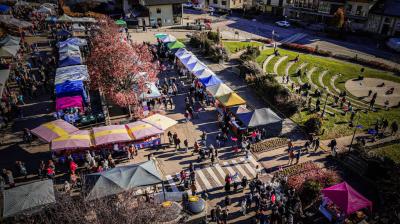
187	5
211	9
283	23
198	7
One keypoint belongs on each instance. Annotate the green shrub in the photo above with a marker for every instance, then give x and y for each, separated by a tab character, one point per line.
250	54
313	125
214	36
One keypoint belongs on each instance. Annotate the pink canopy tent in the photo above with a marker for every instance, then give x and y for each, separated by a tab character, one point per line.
53	129
77	140
348	199
140	130
110	134
68	102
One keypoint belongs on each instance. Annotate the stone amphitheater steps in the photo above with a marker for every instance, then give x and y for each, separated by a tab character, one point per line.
303	65
267	60
321	82
309	74
278	63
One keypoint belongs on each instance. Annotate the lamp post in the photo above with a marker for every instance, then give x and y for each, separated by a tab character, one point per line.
326	100
354	133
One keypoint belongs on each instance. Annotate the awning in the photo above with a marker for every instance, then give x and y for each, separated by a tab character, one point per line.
239	109
231	99
175	45
219	90
28	197
203	73
167	39
71	73
110	134
197	67
69	102
140	130
180	52
54	129
69	61
210	80
78	140
120	22
120	179
259	117
348	199
4	74
74	41
160	121
151	93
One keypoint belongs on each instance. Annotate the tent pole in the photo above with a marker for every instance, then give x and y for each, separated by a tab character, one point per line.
163	189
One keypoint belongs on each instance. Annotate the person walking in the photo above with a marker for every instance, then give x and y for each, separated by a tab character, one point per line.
228	181
225	214
243	206
332	144
186	144
193	188
290	157
394	127
298	155
316	144
170	138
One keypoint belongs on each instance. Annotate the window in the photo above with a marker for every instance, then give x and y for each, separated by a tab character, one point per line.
359	10
158	10
223	3
215	2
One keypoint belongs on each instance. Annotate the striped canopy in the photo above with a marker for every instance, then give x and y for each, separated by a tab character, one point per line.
110	134
77	140
53	129
140	130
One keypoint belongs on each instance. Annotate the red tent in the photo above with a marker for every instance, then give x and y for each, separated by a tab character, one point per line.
348	199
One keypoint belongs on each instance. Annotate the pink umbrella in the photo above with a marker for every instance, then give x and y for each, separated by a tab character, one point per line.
348	199
140	130
68	102
77	140
53	129
110	134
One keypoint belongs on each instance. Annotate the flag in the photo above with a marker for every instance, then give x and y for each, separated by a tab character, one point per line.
273	32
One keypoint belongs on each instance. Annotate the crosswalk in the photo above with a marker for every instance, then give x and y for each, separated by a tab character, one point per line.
294	38
211	177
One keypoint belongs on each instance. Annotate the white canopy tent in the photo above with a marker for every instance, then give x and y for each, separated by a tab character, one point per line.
4	74
71	73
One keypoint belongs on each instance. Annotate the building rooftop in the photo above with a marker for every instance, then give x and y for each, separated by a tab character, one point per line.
163	2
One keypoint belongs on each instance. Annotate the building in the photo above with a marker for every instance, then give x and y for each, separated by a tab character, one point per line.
227	5
384	18
274	7
155	12
320	11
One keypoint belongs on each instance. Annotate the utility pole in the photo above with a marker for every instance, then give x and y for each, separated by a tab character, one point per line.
354	133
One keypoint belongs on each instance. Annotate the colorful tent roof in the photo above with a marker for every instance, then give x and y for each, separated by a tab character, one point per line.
198	66
152	92
70	88
110	134
160	35
70	60
120	179
54	129
231	99
219	90
4	8
78	140
203	73
167	39
73	40
259	117
140	130
69	102
188	59
210	80
160	121
239	109
348	199
120	22
28	197
180	52
9	46
71	73
68	47
175	45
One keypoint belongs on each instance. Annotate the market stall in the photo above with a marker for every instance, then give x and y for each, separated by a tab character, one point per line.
9	46
110	135
258	117
219	89
70	60
142	130
75	141
210	81
160	121
168	38
341	200
69	102
230	100
4	74
71	88
71	73
54	129
74	41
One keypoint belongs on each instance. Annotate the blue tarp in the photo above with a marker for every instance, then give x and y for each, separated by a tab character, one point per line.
210	80
4	8
52	19
71	88
68	61
63	33
74	41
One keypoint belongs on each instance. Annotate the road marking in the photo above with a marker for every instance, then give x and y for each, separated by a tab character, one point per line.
240	169
253	161
250	169
220	171
172	184
229	168
204	180
215	178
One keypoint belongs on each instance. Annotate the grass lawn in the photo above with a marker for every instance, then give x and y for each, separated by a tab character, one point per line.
334	126
235	46
390	151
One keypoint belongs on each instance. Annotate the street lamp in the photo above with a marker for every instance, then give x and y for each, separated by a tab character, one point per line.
326	100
